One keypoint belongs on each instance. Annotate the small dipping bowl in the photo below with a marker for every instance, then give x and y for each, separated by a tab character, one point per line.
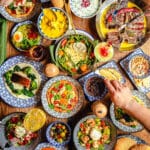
94	88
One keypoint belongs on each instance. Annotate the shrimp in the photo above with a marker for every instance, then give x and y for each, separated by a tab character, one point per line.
95	144
85	139
91	122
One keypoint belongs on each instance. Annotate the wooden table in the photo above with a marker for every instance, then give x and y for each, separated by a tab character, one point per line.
89	26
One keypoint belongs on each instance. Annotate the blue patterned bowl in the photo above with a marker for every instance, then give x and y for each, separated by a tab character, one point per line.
94	91
49	133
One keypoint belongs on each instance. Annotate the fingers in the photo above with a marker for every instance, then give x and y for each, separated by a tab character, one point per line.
116	85
109	86
113	85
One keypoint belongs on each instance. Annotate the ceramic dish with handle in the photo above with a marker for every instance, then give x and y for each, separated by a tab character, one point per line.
9	91
9	13
75	53
62	97
92	132
135	34
84	8
7	138
58	134
125	122
25	35
53	23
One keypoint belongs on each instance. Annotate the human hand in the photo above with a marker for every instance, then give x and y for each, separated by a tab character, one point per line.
5	2
120	94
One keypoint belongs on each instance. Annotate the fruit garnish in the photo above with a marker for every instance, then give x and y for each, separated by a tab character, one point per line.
34	120
103	51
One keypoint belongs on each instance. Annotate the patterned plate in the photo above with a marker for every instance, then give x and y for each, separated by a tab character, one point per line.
4	143
43	145
6	15
107	146
123	127
137	139
143	84
58	114
113	65
5	94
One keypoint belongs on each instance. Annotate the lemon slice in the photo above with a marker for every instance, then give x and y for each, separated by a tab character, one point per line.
34	120
50	14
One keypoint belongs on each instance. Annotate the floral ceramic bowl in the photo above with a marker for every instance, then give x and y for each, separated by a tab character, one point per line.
58	134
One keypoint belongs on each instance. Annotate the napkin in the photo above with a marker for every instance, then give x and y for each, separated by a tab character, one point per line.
3	40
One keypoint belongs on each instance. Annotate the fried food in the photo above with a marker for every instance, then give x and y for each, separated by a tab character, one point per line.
110	74
124	143
140	147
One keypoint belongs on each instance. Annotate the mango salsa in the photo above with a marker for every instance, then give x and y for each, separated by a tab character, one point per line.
54	23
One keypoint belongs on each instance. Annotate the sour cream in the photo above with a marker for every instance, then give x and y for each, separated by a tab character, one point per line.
84	8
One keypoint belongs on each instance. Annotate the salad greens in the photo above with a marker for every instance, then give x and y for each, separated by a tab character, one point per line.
25	37
24	91
75	54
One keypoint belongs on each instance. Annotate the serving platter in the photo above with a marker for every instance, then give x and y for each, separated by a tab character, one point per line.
106	146
142	84
102	29
7	96
57	114
6	15
6	145
120	125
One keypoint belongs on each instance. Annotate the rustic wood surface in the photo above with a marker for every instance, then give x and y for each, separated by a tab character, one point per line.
89	26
